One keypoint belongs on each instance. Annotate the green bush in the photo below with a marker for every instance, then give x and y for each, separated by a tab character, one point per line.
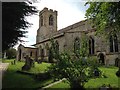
73	68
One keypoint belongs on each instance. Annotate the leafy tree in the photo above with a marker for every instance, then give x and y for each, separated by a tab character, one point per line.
11	53
14	22
73	68
105	16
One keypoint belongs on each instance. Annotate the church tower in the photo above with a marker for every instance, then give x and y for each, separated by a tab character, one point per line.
47	24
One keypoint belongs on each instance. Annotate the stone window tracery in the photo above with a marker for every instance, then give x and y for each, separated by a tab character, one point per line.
113	43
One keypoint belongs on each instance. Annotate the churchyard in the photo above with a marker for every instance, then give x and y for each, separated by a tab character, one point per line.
14	78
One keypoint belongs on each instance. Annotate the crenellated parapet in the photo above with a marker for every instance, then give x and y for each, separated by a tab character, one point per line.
46	10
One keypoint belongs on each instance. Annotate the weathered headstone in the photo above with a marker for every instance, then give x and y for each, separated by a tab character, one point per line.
96	73
28	63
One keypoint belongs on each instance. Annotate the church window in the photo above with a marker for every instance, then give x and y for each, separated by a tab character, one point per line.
113	43
77	45
51	20
91	45
41	19
47	46
42	52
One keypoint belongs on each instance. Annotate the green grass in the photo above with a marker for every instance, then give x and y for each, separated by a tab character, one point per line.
111	79
12	79
7	60
39	67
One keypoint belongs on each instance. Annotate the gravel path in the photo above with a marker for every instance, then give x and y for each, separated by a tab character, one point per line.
53	83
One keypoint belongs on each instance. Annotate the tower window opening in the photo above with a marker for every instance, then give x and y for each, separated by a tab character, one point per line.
51	20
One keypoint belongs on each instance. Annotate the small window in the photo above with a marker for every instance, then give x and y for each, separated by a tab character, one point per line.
51	20
116	43
111	44
42	52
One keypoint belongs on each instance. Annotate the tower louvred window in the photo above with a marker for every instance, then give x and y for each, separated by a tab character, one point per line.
51	20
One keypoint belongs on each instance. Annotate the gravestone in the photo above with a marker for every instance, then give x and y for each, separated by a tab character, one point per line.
28	63
96	73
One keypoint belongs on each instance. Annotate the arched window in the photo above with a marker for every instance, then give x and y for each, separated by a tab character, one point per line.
51	20
91	45
77	45
113	43
41	20
116	43
47	46
42	52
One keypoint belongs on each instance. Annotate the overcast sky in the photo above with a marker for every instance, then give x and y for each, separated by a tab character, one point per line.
69	12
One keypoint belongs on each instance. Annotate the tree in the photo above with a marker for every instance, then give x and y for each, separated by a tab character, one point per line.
73	68
105	16
11	53
14	22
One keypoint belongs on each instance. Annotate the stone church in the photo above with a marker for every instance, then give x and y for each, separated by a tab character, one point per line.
68	39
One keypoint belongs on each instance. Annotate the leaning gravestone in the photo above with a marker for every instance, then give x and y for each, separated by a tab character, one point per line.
28	63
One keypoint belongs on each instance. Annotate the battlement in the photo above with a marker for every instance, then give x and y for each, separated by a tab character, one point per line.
49	10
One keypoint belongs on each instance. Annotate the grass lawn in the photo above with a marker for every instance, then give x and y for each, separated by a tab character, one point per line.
7	60
39	67
12	79
111	79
